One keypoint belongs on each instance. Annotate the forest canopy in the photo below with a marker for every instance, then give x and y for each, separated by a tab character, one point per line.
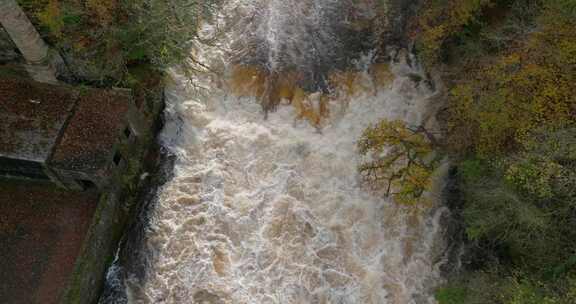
510	130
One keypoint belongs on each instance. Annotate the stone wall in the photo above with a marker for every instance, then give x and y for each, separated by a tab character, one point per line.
8	51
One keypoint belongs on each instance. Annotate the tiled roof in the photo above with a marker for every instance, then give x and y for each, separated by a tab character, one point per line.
31	117
93	130
42	229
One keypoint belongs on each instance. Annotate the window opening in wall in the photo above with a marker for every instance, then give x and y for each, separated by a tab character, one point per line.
117	158
86	184
127	132
21	168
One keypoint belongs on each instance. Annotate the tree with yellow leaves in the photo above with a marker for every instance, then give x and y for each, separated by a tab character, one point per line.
402	159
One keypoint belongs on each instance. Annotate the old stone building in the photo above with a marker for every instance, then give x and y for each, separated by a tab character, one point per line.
71	162
70	136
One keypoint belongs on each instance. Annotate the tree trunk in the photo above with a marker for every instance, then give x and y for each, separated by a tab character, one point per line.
41	62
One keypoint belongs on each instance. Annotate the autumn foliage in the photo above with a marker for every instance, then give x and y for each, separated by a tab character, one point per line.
440	21
401	160
510	127
503	99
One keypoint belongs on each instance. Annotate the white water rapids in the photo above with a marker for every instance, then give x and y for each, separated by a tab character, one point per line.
270	210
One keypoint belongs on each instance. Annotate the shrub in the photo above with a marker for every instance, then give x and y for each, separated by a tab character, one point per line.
451	295
162	31
480	287
52	17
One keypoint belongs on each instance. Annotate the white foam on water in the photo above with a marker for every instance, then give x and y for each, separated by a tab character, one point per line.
271	211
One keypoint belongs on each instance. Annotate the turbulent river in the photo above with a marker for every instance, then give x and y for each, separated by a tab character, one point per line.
270	210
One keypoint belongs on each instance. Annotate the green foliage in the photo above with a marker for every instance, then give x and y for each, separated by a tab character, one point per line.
525	200
545	168
564	268
524	212
402	160
451	295
525	292
163	32
472	169
71	19
480	287
496	212
520	288
533	175
497	286
510	69
51	17
106	36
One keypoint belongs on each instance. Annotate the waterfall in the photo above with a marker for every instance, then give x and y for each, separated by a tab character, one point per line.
271	210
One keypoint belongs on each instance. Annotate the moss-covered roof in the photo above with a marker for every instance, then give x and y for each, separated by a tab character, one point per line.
88	141
42	229
31	117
